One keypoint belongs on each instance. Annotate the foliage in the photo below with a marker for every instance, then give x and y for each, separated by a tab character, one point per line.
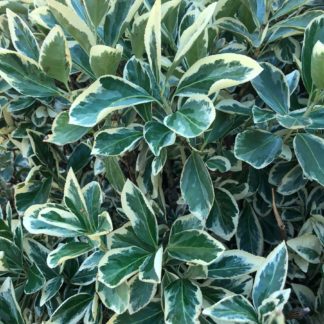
161	161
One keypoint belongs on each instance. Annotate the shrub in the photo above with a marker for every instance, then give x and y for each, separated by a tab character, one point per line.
161	162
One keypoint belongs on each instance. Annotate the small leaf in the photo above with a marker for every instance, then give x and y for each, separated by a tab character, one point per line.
309	152
183	301
317	64
196	186
50	289
22	37
35	280
104	59
218	163
96	10
116	141
55	57
234	309
259	148
193	118
158	136
273	272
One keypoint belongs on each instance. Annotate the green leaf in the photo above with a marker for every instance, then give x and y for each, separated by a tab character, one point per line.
73	24
141	293
272	87
216	72
96	10
257	147
309	152
193	118
43	17
140	213
234	309
231	106
317	64
104	59
72	310
116	299
116	141
223	217
158	136
152	313
271	276
307	246
151	269
118	265
68	251
234	263
35	280
313	34
183	301
31	193
249	234
190	35
192	245
152	39
104	96
196	186
22	37
10	256
114	173
25	75
55	57
50	289
10	310
64	133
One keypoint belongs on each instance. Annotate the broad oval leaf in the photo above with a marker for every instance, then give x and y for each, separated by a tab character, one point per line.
193	118
55	57
104	96
140	214
196	186
309	151
233	309
272	87
273	272
216	72
116	141
257	147
223	217
25	76
183	301
22	37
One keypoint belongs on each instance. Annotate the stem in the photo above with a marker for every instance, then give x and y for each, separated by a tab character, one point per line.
182	154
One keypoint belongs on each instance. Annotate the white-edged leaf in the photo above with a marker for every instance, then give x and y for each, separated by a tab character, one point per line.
96	10
235	309
219	163
116	141
55	58
107	94
22	37
151	269
273	272
140	213
257	147
216	72
183	301
193	118
234	263
196	186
